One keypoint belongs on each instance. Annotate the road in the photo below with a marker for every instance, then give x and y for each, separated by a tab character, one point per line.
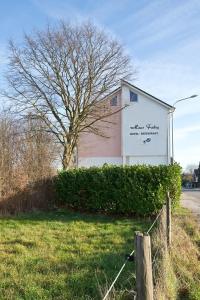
191	200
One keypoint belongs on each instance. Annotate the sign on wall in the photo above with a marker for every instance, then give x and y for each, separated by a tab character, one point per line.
145	138
144	128
147	132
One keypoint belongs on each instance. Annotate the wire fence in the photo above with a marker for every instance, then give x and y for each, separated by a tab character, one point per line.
164	213
155	221
118	274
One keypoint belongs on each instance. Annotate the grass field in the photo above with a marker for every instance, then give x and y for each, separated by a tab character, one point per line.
64	255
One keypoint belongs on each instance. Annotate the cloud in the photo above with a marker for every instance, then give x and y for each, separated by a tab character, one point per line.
60	10
188	154
3	56
168	22
167	79
182	133
98	11
3	64
172	75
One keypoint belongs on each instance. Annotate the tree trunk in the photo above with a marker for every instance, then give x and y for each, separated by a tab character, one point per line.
67	157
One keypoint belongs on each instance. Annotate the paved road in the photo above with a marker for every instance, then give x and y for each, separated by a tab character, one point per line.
191	200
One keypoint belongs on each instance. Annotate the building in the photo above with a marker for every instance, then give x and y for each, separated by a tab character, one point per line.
196	177
139	133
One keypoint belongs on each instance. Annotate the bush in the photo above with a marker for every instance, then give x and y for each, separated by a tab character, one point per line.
138	189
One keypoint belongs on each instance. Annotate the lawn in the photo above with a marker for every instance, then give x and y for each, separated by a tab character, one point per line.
64	255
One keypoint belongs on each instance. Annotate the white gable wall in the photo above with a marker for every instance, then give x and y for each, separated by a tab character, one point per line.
145	132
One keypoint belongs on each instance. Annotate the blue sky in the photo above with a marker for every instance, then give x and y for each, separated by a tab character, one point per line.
162	37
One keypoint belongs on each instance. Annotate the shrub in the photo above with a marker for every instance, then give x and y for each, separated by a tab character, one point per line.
138	189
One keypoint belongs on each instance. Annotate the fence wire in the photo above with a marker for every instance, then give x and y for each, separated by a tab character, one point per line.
118	274
154	222
127	259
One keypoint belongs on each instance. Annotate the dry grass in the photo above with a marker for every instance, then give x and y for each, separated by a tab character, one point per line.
186	255
177	275
163	274
39	195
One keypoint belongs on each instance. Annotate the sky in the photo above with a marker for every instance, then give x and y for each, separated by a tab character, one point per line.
161	36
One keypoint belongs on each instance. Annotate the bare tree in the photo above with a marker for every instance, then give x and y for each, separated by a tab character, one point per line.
7	155
60	76
27	154
37	151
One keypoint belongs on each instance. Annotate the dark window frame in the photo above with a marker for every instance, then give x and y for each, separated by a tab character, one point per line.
113	101
133	96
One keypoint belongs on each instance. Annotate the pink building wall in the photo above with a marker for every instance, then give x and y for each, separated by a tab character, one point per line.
91	145
125	143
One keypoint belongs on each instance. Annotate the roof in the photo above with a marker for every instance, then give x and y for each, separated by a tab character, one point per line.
147	94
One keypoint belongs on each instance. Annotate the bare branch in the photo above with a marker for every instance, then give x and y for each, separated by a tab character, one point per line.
60	75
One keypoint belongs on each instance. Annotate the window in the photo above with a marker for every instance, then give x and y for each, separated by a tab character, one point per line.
113	101
133	97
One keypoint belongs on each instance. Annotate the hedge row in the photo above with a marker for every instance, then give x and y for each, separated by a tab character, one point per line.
115	189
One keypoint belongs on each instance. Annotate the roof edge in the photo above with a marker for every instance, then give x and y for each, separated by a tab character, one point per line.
147	94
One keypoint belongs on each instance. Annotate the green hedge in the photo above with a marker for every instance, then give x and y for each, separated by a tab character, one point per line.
115	189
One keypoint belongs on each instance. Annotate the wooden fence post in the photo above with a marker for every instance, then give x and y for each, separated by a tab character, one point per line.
144	278
168	220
